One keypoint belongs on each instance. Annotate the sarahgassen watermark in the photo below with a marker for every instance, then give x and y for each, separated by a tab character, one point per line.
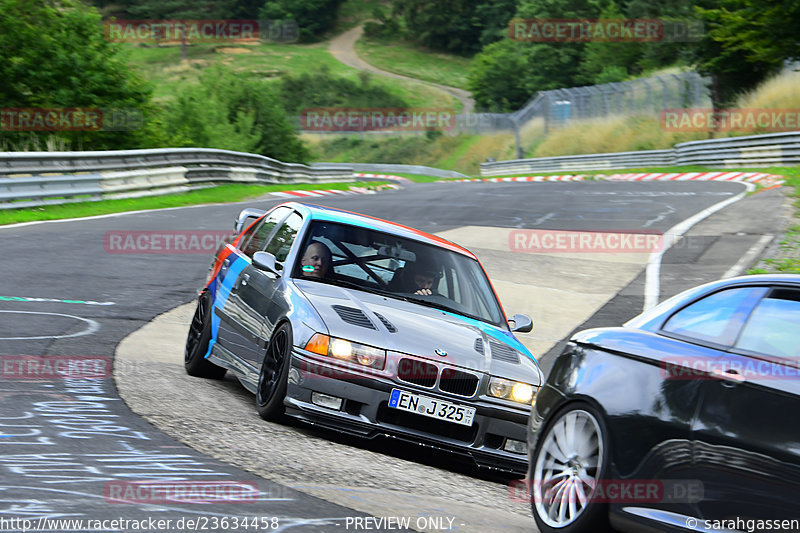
200	31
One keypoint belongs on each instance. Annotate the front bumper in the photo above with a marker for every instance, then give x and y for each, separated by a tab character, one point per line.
365	413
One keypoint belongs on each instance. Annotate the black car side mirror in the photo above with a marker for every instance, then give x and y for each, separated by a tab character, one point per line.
521	323
265	261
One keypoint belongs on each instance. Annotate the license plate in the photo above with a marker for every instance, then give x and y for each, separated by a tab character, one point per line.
432	407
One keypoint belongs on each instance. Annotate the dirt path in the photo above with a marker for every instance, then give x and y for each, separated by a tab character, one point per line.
342	47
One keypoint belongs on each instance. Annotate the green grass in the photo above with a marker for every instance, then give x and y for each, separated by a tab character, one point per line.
450	162
404	58
221	194
163	67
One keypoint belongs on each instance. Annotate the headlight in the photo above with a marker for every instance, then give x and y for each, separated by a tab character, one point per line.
512	390
345	350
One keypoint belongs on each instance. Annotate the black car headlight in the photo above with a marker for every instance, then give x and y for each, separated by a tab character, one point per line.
516	391
345	350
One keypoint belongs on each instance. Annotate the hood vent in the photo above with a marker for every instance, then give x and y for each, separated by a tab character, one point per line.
503	352
479	345
386	323
354	316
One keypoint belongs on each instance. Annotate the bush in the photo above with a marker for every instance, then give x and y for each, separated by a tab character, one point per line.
56	56
233	113
323	89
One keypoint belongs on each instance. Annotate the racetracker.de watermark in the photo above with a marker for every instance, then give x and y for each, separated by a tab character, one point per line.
730	120
628	491
200	31
70	119
729	368
180	492
54	367
330	119
164	242
604	30
541	241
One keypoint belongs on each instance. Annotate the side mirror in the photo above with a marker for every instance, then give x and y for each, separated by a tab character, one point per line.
265	261
245	218
521	323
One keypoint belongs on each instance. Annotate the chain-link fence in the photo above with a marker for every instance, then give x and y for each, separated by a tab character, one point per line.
643	96
556	108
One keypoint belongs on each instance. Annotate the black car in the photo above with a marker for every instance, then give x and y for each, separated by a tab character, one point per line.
685	419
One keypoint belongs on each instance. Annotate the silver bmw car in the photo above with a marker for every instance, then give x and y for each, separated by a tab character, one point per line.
369	328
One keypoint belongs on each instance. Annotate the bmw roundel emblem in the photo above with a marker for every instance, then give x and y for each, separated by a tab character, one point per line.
440	352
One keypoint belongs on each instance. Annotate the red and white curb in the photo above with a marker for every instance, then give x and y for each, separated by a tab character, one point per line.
329	192
764	179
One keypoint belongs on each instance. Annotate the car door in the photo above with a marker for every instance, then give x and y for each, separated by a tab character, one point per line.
254	309
747	439
236	318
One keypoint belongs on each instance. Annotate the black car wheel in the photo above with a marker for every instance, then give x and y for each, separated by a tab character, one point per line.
274	370
197	343
571	458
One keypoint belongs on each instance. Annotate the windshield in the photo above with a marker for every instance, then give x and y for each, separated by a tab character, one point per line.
397	267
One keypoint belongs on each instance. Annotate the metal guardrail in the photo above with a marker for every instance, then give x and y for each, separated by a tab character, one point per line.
380	168
41	178
773	149
651	158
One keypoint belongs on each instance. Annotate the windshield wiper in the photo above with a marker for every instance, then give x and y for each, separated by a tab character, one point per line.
441	307
349	285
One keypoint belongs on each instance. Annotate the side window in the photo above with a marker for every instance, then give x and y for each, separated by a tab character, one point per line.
717	318
260	232
282	242
774	326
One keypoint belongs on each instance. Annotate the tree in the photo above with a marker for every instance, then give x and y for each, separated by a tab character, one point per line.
234	113
56	56
314	17
455	26
179	9
746	42
605	62
508	73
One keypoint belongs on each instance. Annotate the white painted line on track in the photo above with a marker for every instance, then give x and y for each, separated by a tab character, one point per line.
652	286
748	257
92	326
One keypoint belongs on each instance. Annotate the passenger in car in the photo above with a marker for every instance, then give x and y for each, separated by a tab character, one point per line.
316	261
422	278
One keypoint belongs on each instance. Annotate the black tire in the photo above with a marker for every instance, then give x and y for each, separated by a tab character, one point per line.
272	379
197	343
550	501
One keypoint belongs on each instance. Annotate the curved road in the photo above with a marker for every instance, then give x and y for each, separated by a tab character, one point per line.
342	47
70	447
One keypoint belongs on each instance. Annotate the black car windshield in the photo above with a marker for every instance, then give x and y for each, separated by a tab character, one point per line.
402	268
